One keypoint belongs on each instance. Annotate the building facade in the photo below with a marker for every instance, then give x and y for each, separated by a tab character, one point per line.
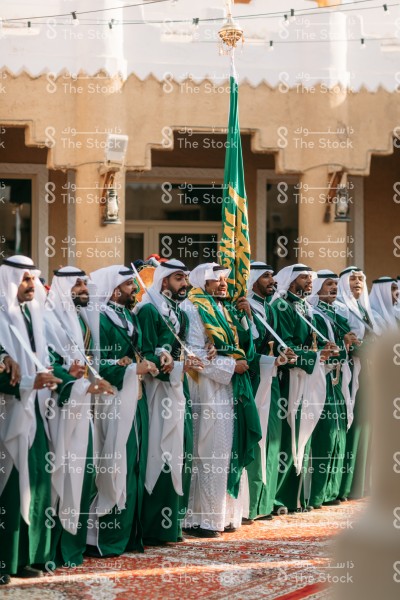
321	160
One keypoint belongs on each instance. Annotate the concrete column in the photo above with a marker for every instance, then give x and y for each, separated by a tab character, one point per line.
321	245
95	245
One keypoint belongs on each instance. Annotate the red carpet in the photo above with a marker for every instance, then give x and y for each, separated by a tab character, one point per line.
284	559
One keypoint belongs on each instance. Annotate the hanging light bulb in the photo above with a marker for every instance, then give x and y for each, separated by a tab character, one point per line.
363	45
386	9
75	20
292	15
271	46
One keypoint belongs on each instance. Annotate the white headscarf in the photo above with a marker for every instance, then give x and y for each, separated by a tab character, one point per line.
318	282
18	429
205	272
257	269
286	276
107	279
345	297
381	302
61	314
11	274
156	297
397	305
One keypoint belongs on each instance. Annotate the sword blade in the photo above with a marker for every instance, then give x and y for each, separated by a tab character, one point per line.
87	362
323	338
271	330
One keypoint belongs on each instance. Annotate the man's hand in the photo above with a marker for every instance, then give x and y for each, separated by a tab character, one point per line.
77	370
328	350
145	367
350	339
241	366
125	361
167	362
243	304
193	362
286	355
100	386
46	380
211	351
13	368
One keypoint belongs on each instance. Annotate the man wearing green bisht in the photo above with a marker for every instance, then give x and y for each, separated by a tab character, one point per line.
328	442
170	432
25	487
353	304
263	471
302	384
70	419
120	425
226	423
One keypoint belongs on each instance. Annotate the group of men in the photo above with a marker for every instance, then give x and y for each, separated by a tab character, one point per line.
125	423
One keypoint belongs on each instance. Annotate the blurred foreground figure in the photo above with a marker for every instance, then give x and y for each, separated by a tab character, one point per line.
367	557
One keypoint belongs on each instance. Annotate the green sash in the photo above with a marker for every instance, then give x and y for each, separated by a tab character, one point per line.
247	429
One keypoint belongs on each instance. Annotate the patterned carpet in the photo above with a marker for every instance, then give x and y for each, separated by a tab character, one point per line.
287	558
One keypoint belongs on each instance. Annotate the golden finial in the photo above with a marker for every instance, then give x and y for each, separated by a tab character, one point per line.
230	33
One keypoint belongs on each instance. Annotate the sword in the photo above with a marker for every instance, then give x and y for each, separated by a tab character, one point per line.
273	332
361	320
172	330
40	366
323	314
87	362
323	338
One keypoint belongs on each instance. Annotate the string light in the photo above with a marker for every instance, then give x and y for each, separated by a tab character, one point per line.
292	15
362	44
271	46
306	11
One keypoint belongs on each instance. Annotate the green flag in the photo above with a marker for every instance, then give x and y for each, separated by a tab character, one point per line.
235	243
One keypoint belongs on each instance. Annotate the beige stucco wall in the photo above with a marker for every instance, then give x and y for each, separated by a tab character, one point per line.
382	216
70	118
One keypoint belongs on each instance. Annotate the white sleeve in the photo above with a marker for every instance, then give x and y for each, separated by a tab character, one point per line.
221	368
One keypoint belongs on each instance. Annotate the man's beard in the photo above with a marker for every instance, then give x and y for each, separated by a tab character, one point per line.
177	296
269	291
302	292
79	301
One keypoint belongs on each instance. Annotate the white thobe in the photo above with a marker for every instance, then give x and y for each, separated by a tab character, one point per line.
210	506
